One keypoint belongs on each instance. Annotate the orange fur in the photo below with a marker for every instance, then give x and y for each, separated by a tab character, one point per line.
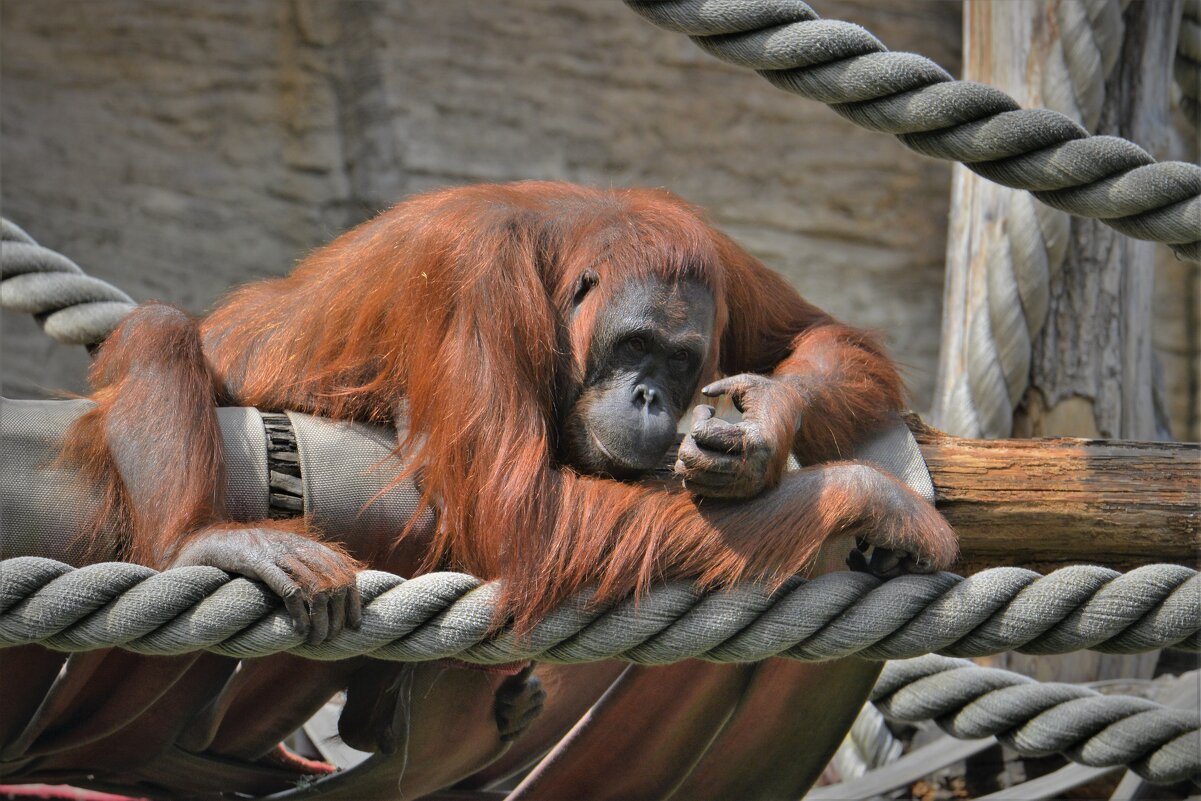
455	305
152	361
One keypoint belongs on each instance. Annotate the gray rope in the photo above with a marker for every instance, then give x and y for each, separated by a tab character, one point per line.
449	614
1161	744
72	307
908	95
868	746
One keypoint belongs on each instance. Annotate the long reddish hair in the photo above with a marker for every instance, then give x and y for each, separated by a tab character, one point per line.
453	311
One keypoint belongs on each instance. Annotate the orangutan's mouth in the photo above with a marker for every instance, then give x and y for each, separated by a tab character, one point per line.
608	453
618	468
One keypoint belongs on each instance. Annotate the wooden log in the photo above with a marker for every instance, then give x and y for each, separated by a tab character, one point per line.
1047	503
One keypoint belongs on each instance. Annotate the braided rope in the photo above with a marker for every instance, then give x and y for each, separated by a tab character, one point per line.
908	95
450	614
72	307
868	746
1159	743
1005	319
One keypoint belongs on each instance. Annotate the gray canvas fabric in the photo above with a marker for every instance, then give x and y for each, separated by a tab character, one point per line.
895	451
346	469
245	444
44	507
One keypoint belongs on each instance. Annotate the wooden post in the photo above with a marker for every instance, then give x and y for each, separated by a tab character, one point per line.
1093	369
1091	366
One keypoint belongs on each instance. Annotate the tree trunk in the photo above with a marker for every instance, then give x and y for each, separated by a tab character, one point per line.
1093	371
1082	364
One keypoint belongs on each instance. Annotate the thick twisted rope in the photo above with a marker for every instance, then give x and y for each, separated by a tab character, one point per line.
450	615
72	307
908	95
869	745
1159	743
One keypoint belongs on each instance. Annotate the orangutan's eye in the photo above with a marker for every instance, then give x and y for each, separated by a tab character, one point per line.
681	360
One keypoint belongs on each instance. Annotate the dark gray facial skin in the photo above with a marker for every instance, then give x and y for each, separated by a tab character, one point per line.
648	347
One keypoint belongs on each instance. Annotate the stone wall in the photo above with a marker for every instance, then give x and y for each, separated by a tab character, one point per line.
177	149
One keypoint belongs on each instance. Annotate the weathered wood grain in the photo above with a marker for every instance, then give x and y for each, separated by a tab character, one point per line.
1046	503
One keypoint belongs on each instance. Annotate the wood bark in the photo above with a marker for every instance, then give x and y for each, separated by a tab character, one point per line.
1048	503
1091	366
1093	371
